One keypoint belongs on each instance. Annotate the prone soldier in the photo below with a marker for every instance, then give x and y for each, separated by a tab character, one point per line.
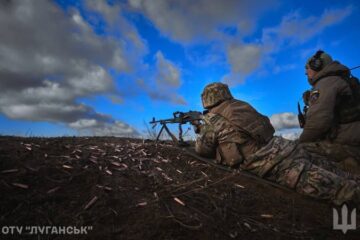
235	134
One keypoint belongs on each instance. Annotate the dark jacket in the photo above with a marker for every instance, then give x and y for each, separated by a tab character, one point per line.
321	123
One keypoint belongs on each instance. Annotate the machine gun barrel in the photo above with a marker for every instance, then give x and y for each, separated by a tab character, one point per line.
180	118
162	121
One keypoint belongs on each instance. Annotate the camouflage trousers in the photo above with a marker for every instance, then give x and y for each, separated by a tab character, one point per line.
342	156
308	174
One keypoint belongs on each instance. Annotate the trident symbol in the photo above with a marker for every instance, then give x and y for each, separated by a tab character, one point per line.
344	226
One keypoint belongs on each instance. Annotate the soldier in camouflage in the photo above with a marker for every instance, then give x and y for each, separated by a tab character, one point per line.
332	119
235	134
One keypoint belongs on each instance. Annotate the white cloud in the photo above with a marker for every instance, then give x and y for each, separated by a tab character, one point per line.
42	111
291	134
92	127
284	120
83	123
287	33
49	92
187	20
244	59
110	12
90	80
183	22
167	80
167	72
232	79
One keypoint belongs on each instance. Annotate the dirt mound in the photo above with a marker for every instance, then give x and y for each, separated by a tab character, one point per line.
117	188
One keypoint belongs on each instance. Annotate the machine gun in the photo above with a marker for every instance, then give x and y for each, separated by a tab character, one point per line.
180	118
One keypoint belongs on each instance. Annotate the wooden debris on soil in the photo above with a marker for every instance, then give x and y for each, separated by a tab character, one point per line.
266	215
10	170
93	160
53	190
154	160
122	167
143	152
247	225
179	201
67	166
116	164
166	177
104	187
141	204
32	169
233	234
20	185
239	186
92	201
28	146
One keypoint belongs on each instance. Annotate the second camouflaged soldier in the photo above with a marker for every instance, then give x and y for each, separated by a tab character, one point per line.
235	134
332	119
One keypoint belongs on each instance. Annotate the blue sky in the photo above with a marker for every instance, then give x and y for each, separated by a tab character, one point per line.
106	67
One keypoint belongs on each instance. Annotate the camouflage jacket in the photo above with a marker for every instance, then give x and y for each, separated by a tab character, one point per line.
328	87
232	132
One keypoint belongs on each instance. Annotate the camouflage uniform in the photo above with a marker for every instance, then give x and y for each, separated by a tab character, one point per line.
276	159
329	86
342	156
332	125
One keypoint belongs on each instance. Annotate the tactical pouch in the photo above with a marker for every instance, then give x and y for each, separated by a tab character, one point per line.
228	154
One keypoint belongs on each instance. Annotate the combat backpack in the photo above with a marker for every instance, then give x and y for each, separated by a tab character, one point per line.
348	109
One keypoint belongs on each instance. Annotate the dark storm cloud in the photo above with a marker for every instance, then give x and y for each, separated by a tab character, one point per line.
48	59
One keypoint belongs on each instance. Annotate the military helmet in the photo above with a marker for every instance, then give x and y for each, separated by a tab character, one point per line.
214	94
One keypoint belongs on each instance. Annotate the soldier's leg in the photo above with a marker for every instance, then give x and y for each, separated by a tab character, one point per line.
313	181
319	183
318	156
341	156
